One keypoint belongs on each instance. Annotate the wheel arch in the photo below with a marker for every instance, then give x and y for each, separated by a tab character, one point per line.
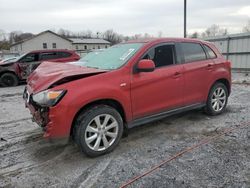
110	102
208	108
225	82
8	71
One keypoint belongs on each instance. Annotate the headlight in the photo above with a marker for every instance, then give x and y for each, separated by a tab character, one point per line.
48	98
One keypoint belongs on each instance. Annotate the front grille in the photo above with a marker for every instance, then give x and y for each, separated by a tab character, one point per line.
29	100
41	114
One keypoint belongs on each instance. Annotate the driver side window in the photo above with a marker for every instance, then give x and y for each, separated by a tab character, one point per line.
161	55
30	58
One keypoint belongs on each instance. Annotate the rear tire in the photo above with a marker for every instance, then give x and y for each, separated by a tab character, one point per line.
217	99
98	130
9	79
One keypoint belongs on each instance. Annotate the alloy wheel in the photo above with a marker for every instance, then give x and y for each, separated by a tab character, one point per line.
218	99
101	132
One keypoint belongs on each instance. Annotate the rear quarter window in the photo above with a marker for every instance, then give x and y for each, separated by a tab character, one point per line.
63	54
48	55
210	52
193	52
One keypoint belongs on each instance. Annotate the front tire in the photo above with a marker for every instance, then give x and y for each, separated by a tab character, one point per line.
217	99
9	79
98	130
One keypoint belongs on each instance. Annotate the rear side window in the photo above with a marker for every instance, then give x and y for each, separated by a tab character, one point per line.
210	52
30	58
63	54
193	52
48	55
161	55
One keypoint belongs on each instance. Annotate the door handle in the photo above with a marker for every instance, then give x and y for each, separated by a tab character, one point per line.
177	74
210	66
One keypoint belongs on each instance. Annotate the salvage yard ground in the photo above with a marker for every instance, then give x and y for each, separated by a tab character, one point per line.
27	160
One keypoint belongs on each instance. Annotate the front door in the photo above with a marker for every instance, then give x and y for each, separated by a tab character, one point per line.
28	64
161	89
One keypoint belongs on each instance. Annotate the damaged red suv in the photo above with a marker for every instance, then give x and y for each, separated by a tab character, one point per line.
95	99
12	72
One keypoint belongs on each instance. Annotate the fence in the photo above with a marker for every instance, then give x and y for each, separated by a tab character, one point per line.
235	48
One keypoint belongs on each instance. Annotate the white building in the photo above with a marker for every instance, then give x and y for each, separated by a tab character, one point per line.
41	41
89	44
82	45
51	40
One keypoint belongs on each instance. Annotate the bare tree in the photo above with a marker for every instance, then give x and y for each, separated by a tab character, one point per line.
4	43
126	38
214	30
89	34
112	36
2	35
24	36
194	35
246	28
160	34
65	33
146	36
136	36
13	36
61	32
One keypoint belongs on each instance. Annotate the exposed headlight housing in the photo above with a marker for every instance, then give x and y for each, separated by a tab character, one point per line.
48	98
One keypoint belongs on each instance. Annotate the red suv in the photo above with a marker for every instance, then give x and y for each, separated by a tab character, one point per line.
95	99
12	72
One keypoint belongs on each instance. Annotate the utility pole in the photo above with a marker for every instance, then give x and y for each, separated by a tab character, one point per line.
185	18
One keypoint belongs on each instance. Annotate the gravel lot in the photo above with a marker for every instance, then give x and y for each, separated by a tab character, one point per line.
27	160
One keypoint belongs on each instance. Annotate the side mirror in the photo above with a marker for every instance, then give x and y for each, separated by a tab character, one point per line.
145	65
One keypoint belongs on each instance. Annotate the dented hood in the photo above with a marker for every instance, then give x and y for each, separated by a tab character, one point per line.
49	74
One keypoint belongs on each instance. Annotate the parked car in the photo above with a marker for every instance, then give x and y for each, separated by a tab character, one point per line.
12	72
6	55
8	60
95	99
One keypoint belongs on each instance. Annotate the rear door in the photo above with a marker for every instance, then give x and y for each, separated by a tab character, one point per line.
160	90
197	72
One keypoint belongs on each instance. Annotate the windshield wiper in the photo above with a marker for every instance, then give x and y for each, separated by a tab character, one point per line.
93	67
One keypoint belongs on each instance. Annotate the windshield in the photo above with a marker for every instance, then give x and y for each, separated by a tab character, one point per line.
21	56
111	58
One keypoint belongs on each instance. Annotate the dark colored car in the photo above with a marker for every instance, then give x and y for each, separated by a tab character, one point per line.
95	99
12	72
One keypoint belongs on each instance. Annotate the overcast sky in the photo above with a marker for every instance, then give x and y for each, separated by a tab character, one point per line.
127	17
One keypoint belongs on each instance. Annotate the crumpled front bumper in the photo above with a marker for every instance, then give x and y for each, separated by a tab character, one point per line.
52	119
40	115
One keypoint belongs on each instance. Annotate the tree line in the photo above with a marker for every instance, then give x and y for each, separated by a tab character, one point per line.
6	39
215	30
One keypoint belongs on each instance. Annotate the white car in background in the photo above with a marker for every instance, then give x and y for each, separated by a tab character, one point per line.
8	60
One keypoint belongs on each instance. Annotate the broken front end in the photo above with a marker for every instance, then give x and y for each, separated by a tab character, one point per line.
39	105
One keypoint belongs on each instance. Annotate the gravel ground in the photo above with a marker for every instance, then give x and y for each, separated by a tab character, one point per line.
27	160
